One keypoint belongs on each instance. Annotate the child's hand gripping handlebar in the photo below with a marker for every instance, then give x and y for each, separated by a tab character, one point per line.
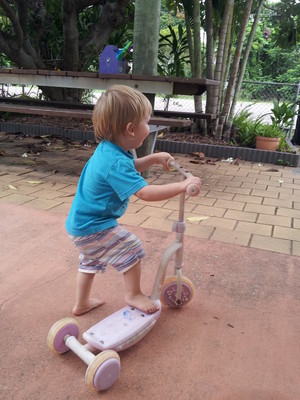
192	189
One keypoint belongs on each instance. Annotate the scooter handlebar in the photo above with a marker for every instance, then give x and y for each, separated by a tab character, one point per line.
191	190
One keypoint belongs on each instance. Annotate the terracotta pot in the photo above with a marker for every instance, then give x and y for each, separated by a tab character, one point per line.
267	143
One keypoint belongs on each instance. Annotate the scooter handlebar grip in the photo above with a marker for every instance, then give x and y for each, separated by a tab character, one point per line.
193	190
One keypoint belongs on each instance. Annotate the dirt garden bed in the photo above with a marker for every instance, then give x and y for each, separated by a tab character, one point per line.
173	142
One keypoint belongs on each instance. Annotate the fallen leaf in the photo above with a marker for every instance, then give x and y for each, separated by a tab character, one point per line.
41	162
272	170
2	153
199	218
198	154
67	195
211	162
34	182
197	162
12	187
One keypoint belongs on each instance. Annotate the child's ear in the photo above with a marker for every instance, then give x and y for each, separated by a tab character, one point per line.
129	129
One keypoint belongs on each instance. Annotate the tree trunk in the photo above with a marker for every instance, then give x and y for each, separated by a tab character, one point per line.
243	64
145	51
225	70
209	40
211	106
234	68
197	71
71	35
190	41
146	36
209	53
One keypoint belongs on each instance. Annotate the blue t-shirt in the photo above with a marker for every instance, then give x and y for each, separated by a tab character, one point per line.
107	181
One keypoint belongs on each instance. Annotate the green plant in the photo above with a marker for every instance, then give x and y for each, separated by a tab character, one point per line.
283	114
249	128
283	145
268	130
242	116
284	162
173	52
244	123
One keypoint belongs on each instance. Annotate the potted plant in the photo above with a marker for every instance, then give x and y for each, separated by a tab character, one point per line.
268	136
271	136
256	133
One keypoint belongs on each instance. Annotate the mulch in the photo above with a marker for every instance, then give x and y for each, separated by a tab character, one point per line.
172	134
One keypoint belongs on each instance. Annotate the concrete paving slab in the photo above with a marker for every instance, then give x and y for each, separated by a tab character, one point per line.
237	339
247	193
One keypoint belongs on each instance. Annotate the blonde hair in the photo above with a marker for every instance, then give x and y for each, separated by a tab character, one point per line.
115	108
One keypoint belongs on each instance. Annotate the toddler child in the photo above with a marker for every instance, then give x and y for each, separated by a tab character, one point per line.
110	177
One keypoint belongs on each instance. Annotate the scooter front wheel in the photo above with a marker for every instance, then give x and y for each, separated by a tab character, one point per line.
103	371
169	292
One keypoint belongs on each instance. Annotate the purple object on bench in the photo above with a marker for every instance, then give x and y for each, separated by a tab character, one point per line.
108	62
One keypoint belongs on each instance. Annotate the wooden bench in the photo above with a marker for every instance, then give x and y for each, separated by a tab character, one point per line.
81	114
169	85
182	114
156	123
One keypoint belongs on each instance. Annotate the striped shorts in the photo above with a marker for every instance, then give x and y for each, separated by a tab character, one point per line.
114	246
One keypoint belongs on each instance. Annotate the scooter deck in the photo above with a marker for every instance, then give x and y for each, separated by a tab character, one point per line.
121	329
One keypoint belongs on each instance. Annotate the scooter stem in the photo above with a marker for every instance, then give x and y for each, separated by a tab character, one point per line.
164	262
191	190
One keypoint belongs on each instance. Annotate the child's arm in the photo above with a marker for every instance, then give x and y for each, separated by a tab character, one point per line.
164	192
143	163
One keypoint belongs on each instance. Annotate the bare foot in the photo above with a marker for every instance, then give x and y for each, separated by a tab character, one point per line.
84	308
142	302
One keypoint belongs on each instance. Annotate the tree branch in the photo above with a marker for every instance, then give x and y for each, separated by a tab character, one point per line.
273	9
112	16
11	15
71	34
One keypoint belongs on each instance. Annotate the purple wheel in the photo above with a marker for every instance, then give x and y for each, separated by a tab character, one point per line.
103	371
169	292
57	333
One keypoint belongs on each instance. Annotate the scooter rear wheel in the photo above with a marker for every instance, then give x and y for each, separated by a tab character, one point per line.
57	333
169	292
